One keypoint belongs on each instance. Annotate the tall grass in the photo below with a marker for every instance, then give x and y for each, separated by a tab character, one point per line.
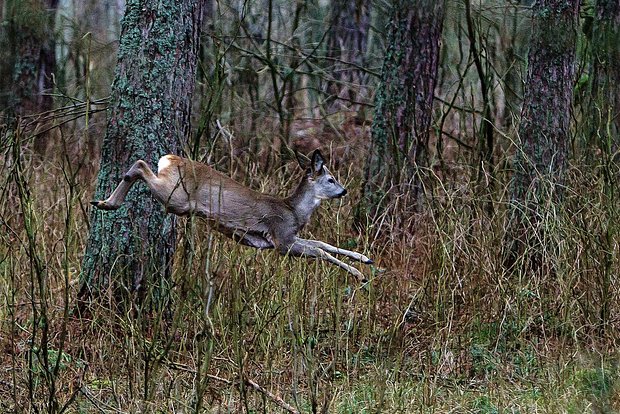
440	326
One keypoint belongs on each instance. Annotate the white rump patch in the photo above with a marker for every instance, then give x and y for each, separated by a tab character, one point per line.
164	162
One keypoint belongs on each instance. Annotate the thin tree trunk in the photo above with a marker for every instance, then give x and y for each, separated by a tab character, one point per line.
403	108
604	143
132	248
605	72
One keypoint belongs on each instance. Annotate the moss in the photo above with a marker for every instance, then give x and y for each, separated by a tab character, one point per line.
149	117
402	107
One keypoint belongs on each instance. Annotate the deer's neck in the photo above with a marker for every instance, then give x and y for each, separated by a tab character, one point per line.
304	202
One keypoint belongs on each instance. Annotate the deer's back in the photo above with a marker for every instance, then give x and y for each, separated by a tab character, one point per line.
199	189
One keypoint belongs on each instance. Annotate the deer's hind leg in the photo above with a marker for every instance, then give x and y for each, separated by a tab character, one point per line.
138	171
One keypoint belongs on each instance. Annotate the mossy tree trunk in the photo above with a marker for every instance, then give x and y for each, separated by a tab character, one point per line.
131	249
398	155
541	157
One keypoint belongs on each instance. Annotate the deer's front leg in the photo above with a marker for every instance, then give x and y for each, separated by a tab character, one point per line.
304	248
336	250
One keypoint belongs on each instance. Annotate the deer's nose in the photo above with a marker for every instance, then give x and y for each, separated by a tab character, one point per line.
343	193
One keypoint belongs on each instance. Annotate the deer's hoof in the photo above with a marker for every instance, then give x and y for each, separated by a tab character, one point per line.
102	205
366	260
358	275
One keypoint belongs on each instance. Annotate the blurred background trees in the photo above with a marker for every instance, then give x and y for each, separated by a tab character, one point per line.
602	28
30	65
347	45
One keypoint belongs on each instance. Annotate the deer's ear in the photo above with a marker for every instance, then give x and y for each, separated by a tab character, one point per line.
317	161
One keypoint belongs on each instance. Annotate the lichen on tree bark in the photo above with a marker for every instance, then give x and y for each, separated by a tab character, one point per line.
149	116
403	108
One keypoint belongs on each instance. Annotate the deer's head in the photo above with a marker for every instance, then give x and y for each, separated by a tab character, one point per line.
323	183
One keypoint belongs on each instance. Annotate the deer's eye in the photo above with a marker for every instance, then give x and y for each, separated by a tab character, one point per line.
331	181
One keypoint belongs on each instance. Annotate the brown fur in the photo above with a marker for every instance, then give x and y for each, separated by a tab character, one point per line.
254	219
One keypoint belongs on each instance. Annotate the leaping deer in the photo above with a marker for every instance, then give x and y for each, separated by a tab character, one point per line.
254	219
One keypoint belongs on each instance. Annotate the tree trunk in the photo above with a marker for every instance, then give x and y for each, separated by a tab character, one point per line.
605	72
403	108
30	31
604	143
541	158
346	49
132	248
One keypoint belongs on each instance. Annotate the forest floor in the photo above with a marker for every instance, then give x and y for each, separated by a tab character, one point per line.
438	328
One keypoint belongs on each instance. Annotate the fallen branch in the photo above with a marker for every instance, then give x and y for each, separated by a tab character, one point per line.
279	401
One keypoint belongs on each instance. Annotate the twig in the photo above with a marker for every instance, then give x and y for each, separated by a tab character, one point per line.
279	401
457	140
100	405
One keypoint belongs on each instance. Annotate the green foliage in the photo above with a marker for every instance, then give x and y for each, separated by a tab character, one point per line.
597	383
497	349
483	405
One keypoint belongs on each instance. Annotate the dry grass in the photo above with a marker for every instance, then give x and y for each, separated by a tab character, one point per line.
441	327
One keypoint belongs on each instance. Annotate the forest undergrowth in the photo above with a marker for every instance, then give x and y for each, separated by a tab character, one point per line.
441	326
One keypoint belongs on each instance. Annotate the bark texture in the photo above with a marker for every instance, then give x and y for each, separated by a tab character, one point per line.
541	158
346	49
149	116
403	106
605	72
30	32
